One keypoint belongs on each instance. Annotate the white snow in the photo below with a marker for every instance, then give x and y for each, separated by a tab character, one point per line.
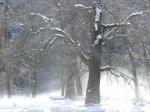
42	28
96	26
59	4
54	103
97	15
115	98
45	18
126	20
132	15
79	5
57	29
20	24
98	38
45	28
82	6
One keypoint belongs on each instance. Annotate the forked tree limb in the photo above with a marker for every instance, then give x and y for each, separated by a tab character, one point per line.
59	34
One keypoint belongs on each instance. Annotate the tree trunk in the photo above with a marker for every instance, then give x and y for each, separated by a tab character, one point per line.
135	80
73	83
70	87
34	80
134	71
63	83
8	86
93	88
78	85
1	80
147	65
5	37
73	86
1	84
1	92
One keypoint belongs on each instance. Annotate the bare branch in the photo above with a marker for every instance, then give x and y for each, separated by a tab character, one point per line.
126	78
110	32
117	74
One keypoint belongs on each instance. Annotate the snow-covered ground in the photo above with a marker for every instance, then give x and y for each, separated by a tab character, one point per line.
115	98
50	103
113	101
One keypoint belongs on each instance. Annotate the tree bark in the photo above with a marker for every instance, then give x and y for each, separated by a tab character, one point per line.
1	84
34	80
70	87
135	80
73	83
93	88
63	83
8	82
78	85
5	37
147	65
134	70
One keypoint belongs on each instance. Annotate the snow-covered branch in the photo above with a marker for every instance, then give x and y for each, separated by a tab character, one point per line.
52	40
132	15
82	6
45	18
98	38
125	22
60	34
55	31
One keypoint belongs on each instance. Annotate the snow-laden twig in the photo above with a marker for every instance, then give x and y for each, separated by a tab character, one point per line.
82	6
45	18
40	29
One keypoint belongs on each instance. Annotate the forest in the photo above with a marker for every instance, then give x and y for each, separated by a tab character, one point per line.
74	55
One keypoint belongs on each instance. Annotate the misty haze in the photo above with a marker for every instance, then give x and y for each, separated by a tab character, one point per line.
74	55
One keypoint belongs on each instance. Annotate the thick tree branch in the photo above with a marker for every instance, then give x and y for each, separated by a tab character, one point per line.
125	22
60	34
